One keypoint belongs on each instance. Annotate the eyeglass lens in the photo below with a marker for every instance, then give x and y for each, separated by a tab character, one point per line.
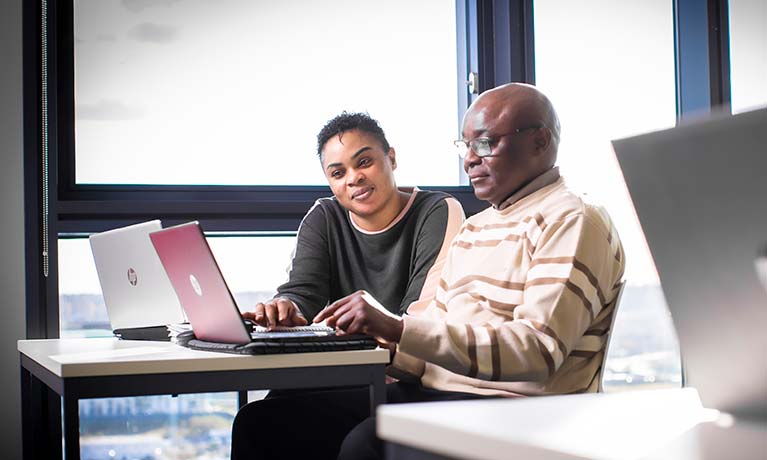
480	146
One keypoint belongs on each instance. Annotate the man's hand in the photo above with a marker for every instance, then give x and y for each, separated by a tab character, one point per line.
276	312
360	313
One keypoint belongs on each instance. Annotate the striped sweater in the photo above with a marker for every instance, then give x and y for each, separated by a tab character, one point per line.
524	301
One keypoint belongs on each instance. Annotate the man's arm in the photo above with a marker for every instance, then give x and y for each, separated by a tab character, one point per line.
572	276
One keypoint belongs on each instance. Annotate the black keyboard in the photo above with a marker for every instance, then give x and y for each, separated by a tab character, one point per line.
288	345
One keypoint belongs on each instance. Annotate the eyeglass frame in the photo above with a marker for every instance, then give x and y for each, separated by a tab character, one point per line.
464	146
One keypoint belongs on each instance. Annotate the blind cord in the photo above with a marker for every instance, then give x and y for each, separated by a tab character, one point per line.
44	132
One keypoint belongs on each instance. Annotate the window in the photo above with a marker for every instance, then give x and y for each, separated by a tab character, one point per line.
748	54
608	68
163	88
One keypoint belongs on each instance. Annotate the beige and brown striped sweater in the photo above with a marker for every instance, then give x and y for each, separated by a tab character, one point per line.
524	300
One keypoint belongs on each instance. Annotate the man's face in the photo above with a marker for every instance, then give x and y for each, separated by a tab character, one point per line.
510	167
359	172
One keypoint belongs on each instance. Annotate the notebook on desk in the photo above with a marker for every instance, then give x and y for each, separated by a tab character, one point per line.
701	196
138	296
217	324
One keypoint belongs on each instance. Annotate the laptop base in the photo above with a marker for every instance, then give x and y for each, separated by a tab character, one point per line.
156	333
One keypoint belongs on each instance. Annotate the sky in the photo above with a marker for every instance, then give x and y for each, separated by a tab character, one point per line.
235	91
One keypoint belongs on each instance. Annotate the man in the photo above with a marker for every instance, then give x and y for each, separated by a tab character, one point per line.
526	294
371	235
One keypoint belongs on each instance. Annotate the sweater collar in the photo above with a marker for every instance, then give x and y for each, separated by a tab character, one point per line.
547	178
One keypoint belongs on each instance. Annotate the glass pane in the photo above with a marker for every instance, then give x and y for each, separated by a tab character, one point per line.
157	427
81	306
235	91
748	54
608	68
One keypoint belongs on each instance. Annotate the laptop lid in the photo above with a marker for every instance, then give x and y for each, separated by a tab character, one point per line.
136	290
199	284
701	196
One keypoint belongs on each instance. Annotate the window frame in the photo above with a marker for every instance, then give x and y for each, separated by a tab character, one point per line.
702	57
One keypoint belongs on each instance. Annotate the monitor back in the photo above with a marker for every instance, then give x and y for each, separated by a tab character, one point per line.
700	192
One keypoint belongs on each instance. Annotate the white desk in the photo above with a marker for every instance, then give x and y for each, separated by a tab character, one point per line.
98	368
659	424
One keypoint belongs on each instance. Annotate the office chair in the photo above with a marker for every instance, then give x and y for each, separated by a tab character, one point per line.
608	339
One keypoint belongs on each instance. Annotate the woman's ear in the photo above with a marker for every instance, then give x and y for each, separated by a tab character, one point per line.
392	158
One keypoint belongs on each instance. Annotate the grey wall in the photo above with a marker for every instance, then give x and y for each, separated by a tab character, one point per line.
12	319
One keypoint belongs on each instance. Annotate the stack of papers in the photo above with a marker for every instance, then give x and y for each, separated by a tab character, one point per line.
175	329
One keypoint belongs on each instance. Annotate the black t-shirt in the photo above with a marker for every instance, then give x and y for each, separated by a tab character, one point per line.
333	258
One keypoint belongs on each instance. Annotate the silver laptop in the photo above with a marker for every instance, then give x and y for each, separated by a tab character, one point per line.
136	289
700	191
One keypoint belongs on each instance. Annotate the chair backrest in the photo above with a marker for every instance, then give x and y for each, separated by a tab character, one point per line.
608	339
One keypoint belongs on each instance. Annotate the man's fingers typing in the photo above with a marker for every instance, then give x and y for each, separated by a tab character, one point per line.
338	312
345	321
326	312
331	309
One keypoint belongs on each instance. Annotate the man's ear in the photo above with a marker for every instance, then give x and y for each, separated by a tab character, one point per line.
392	158
542	139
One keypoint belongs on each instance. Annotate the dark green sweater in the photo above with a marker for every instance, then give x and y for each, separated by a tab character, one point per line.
333	258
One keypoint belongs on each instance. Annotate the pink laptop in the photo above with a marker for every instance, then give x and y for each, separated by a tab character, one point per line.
213	313
199	285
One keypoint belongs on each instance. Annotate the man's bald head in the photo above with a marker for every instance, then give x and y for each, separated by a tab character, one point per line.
518	104
524	129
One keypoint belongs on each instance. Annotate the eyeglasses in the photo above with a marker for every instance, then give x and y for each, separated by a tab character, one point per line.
482	146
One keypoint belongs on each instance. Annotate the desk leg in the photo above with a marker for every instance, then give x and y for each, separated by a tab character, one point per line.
377	388
71	428
242	398
40	419
30	417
